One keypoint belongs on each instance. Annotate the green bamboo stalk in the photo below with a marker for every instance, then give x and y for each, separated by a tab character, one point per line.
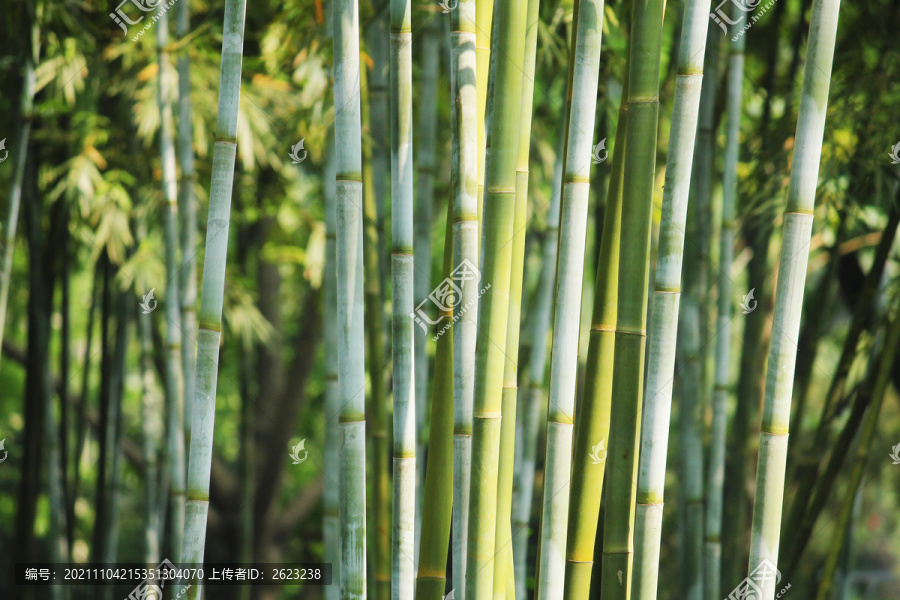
875	388
666	298
349	263
431	579
425	168
484	17
584	65
504	575
378	48
152	409
332	531
379	518
210	326
493	306
32	57
174	374
798	219
404	376
592	433
723	387
463	194
630	337
528	419
188	210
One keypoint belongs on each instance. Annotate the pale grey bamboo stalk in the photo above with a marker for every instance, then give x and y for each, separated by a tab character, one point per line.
567	312
188	208
464	193
351	333
722	386
798	220
151	409
32	57
666	298
59	548
332	533
529	417
425	165
172	299
210	326
403	571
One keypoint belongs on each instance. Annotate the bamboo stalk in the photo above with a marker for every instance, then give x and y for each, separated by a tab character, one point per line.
463	194
496	252
404	376
666	298
798	219
210	327
174	375
484	17
584	65
630	337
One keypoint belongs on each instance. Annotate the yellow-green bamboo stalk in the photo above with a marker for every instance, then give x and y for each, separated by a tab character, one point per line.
174	375
210	328
584	65
431	579
504	576
631	336
349	263
484	17
463	194
798	219
404	377
493	306
666	298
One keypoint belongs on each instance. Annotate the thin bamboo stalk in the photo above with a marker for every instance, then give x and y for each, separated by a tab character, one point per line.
349	263
493	306
404	372
484	17
210	326
798	219
431	579
630	337
666	298
584	66
174	375
592	434
463	194
152	409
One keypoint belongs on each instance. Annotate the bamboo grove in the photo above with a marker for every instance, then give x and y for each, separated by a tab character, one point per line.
458	299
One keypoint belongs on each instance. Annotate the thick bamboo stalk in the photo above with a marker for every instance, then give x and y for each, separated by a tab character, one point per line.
431	579
630	337
493	306
798	218
331	511
404	377
172	299
666	298
425	168
592	433
188	211
504	576
349	264
528	417
463	194
379	517
210	326
584	64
